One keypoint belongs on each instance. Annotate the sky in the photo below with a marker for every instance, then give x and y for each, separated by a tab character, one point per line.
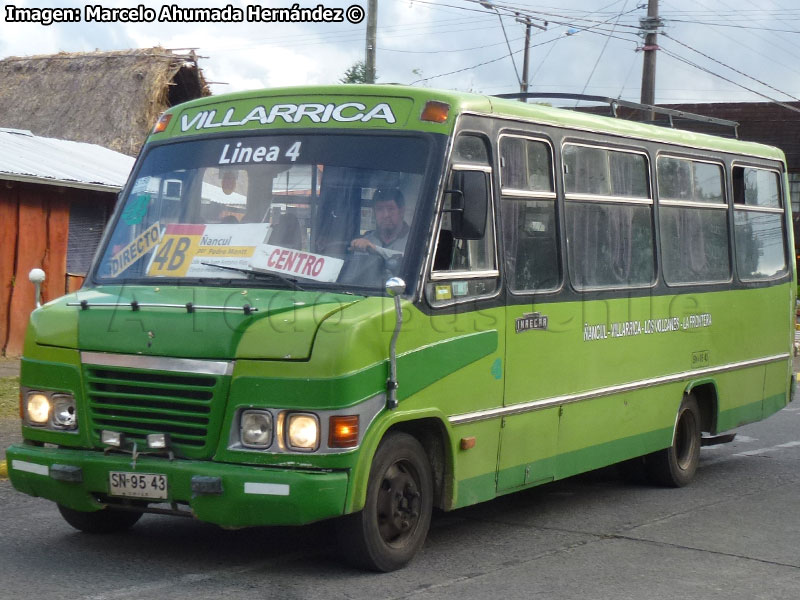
710	50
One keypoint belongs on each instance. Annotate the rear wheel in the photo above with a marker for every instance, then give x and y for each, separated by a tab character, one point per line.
675	466
393	525
107	520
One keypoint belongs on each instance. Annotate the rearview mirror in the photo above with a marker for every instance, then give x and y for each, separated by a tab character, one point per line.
469	201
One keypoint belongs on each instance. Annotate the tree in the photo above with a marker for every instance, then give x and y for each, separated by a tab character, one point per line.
356	73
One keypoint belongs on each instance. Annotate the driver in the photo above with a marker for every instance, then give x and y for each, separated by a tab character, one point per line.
391	231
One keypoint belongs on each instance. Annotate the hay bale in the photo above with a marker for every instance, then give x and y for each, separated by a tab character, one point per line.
106	98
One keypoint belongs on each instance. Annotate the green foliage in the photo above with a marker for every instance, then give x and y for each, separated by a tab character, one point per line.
356	73
9	397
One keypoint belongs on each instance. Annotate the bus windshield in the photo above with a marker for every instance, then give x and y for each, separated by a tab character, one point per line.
327	210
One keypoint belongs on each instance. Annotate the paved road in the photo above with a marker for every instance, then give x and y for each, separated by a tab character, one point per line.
733	534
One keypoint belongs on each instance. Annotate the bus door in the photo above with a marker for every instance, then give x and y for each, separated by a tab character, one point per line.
529	432
464	291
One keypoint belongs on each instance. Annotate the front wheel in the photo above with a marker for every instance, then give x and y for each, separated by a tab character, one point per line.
107	520
675	466
393	525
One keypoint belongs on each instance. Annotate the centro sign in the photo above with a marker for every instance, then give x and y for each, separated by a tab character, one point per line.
346	112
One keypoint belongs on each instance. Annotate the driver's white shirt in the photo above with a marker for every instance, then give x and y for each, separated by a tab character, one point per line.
393	248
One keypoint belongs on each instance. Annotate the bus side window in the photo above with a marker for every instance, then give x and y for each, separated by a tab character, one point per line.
693	221
759	224
529	225
608	216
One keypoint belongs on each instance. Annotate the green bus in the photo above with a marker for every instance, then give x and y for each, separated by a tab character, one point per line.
366	302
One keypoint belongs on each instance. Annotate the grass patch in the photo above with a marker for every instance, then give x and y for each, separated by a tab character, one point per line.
9	397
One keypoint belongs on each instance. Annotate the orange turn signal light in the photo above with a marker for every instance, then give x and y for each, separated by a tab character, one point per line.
435	112
162	123
343	431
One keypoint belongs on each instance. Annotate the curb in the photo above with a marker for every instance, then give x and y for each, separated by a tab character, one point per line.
3	469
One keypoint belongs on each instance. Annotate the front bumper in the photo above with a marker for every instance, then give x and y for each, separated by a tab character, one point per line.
249	495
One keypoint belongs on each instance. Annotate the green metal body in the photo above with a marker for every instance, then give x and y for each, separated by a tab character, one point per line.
540	405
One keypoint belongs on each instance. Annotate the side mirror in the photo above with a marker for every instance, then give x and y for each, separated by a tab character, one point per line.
36	277
470	204
395	286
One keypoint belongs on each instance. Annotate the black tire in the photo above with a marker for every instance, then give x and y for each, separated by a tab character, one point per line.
392	527
107	520
675	466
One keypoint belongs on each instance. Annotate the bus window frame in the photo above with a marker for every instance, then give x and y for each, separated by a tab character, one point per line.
787	265
726	205
517	193
569	140
486	273
514	194
435	276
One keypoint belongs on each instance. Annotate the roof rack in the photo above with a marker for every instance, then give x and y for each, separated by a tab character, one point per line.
615	103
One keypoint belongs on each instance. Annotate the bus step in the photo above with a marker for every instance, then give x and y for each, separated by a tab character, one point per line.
713	440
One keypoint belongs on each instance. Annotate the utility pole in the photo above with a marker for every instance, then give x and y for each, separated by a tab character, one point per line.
649	28
523	85
372	26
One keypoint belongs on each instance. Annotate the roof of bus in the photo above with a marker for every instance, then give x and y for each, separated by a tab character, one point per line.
462	102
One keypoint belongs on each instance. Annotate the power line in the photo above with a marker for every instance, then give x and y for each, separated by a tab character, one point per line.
444	51
605	45
735	70
481	64
551	48
628	76
705	70
755	32
343	38
494	60
589	28
510	54
718	24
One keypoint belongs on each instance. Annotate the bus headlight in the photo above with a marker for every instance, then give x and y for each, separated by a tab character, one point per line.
37	409
64	412
255	429
303	432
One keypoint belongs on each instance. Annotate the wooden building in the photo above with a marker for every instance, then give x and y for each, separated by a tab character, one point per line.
55	194
55	198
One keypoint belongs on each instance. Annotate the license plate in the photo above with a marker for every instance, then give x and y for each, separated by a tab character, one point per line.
138	485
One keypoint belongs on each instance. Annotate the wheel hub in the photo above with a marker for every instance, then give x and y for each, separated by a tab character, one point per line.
398	503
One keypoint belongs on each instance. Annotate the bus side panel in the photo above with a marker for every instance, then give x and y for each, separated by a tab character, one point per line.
529	443
754	327
474	468
776	391
740	397
602	431
474	479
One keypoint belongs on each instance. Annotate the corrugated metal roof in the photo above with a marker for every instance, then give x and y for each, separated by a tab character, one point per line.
27	157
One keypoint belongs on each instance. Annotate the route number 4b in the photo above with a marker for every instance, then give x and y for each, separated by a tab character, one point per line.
170	258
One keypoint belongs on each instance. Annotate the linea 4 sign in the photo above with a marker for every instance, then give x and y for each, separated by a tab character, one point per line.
345	112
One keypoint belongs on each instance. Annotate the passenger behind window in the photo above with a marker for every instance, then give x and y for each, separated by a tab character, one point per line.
286	231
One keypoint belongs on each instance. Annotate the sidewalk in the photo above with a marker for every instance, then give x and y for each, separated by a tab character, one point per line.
9	367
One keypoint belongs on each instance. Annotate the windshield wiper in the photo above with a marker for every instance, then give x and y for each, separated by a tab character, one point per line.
252	274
